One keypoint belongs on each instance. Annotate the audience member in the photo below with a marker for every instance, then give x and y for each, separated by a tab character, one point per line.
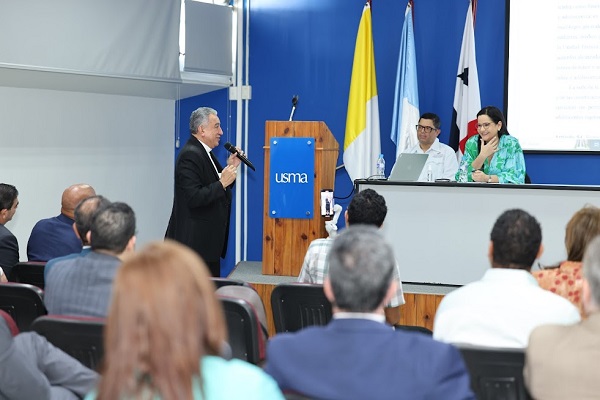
503	307
32	368
493	156
560	362
84	212
9	247
442	158
83	285
54	237
165	332
357	356
565	280
366	207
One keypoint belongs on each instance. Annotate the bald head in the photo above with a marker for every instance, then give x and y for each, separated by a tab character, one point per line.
73	196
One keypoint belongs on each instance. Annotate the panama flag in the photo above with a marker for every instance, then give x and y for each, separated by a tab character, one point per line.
467	101
406	100
362	142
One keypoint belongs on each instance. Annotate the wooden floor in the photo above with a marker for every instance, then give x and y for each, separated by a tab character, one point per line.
419	309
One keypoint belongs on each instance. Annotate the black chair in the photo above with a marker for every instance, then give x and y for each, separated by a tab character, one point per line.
29	272
496	373
298	305
245	334
80	337
220	282
22	302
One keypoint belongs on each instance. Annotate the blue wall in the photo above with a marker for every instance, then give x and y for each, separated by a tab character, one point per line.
306	47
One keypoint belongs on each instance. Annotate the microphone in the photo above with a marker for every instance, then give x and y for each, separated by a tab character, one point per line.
294	103
231	148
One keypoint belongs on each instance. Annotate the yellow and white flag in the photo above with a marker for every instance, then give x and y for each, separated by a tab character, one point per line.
362	143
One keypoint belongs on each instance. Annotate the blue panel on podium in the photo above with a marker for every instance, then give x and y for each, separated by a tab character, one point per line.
292	178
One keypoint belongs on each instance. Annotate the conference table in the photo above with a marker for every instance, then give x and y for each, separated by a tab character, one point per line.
440	233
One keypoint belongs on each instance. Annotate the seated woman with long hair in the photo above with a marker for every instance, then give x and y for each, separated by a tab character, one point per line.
165	331
566	279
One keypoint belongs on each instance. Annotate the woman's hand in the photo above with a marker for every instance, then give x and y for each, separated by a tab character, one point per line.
489	148
479	176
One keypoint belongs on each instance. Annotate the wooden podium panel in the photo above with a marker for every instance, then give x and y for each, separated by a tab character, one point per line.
285	240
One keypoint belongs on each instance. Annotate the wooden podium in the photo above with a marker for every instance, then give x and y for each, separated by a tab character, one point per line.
285	240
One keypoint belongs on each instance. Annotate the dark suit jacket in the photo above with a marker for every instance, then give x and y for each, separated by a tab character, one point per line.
201	207
51	238
364	359
9	250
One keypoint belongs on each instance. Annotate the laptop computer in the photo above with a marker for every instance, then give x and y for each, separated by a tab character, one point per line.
408	167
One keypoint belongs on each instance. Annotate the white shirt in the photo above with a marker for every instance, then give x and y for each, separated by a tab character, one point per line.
208	150
500	310
316	267
356	315
442	159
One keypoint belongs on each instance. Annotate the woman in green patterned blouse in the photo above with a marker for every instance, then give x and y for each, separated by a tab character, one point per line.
493	156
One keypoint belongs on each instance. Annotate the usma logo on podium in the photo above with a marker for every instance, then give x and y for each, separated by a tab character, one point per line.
291	180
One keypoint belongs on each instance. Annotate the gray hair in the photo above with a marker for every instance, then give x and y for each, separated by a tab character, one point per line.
84	214
591	268
361	265
200	117
112	227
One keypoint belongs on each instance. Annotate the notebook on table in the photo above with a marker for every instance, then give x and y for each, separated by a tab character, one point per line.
408	167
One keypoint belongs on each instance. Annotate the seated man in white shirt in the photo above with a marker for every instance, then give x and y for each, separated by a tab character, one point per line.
502	308
366	208
442	158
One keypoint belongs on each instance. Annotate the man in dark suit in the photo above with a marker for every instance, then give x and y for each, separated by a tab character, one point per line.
9	247
202	200
55	237
84	214
358	356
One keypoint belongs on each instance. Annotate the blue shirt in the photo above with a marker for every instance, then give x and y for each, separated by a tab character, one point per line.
233	379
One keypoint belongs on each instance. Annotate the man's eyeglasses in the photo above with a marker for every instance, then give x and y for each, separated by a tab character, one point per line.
426	129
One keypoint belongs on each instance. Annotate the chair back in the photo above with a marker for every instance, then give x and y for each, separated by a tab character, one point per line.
250	295
246	336
496	373
413	328
220	282
10	323
298	305
80	337
23	302
31	272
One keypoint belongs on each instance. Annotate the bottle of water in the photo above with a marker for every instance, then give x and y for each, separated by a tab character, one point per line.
462	172
380	167
429	173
